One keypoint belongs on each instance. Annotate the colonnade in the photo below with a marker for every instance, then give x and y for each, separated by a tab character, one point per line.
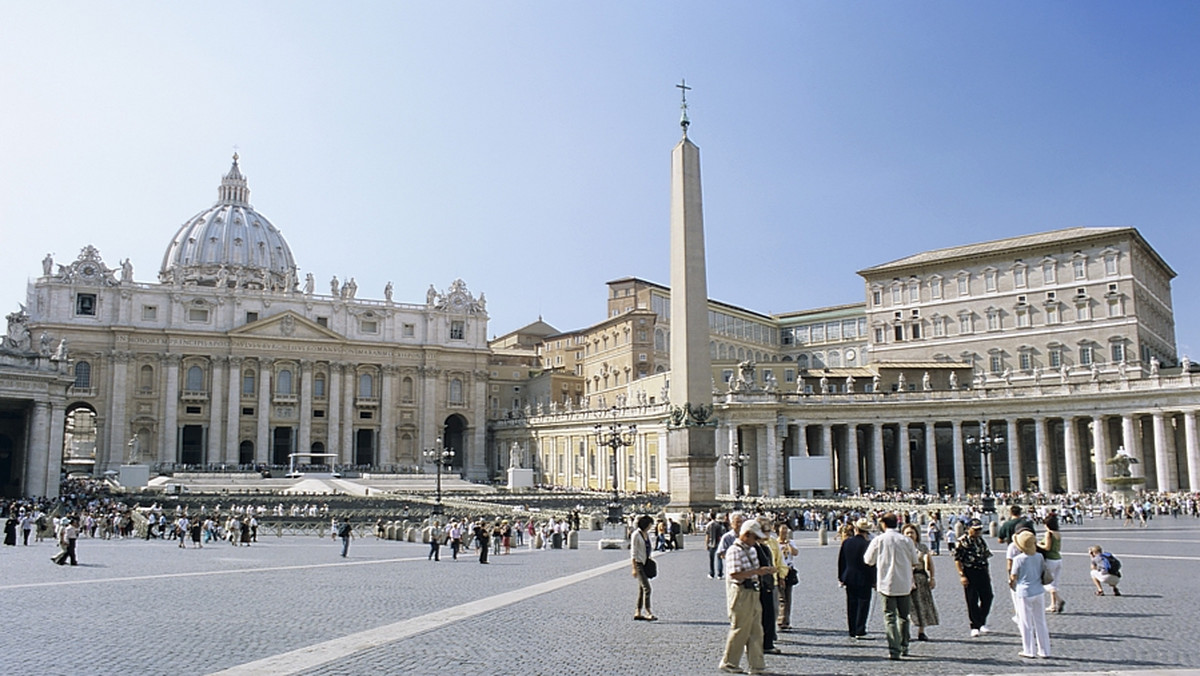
942	454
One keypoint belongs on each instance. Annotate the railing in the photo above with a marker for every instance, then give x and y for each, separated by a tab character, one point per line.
75	391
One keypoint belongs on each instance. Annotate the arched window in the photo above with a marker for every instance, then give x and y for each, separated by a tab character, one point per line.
660	340
366	385
802	361
195	379
319	386
406	389
83	375
283	383
146	378
456	391
248	382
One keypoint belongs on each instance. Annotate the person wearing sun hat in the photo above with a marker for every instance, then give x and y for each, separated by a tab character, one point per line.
971	558
1025	580
742	568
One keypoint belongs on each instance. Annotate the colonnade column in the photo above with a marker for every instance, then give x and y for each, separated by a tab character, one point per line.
1164	455
931	468
774	453
333	431
1193	450
118	420
878	476
1042	450
767	449
58	422
1132	442
215	399
1045	462
233	410
387	425
960	464
735	449
37	459
168	441
349	385
1014	456
905	452
1070	450
1100	450
262	450
852	458
304	444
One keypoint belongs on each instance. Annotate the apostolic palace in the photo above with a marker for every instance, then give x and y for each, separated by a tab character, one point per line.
1022	363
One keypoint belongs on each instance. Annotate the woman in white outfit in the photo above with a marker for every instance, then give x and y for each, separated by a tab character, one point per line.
1025	579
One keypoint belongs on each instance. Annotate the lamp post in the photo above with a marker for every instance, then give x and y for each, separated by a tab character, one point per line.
615	436
440	456
987	443
737	460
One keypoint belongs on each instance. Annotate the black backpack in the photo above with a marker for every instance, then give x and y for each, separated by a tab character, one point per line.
1114	564
344	530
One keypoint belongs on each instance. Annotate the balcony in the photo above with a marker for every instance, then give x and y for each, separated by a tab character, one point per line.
366	402
194	395
76	391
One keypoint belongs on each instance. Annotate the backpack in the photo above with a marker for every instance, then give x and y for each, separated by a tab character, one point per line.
1114	564
344	530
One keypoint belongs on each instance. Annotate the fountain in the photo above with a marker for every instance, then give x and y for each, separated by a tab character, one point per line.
1122	479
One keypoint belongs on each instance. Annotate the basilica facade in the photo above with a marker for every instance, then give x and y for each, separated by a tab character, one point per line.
231	359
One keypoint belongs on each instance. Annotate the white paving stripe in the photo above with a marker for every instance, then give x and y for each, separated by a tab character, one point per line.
328	651
204	573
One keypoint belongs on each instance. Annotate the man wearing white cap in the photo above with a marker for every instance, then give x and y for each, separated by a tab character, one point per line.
742	569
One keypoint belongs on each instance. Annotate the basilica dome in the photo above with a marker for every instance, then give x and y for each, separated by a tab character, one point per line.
230	245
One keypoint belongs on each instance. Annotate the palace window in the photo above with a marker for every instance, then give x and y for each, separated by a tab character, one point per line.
457	330
248	382
1019	277
1118	352
366	385
1026	358
1049	273
195	379
319	386
198	315
964	284
1056	357
1085	355
283	382
83	375
456	391
1110	265
990	281
1079	265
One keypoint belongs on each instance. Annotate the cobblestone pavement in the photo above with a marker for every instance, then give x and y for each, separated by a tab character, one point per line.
292	605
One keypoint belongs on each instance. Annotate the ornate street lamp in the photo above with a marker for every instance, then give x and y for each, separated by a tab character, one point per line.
616	436
987	443
737	460
440	456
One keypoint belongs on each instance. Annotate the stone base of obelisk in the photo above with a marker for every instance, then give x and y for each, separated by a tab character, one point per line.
691	468
134	476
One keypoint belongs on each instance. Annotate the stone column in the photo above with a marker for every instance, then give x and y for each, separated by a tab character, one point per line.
735	449
350	383
263	452
878	475
931	468
801	439
216	401
1132	441
387	424
37	457
168	447
1193	450
1164	455
1100	451
960	458
774	458
764	448
305	393
1070	452
724	444
905	452
334	430
58	421
118	418
1014	457
233	412
852	458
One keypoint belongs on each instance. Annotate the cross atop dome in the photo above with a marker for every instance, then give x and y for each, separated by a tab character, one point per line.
683	118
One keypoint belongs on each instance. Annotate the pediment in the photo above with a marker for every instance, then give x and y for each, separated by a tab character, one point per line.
286	324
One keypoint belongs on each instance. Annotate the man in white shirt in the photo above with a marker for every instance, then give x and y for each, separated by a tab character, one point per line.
893	556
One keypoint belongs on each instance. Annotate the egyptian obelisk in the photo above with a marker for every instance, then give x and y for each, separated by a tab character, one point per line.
691	433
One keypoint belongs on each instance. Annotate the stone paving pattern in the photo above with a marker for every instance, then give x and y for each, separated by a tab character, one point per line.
136	607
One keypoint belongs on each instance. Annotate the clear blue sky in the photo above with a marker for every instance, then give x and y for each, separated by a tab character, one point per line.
524	147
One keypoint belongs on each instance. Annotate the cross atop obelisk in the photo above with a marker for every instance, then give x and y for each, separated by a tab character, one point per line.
683	118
